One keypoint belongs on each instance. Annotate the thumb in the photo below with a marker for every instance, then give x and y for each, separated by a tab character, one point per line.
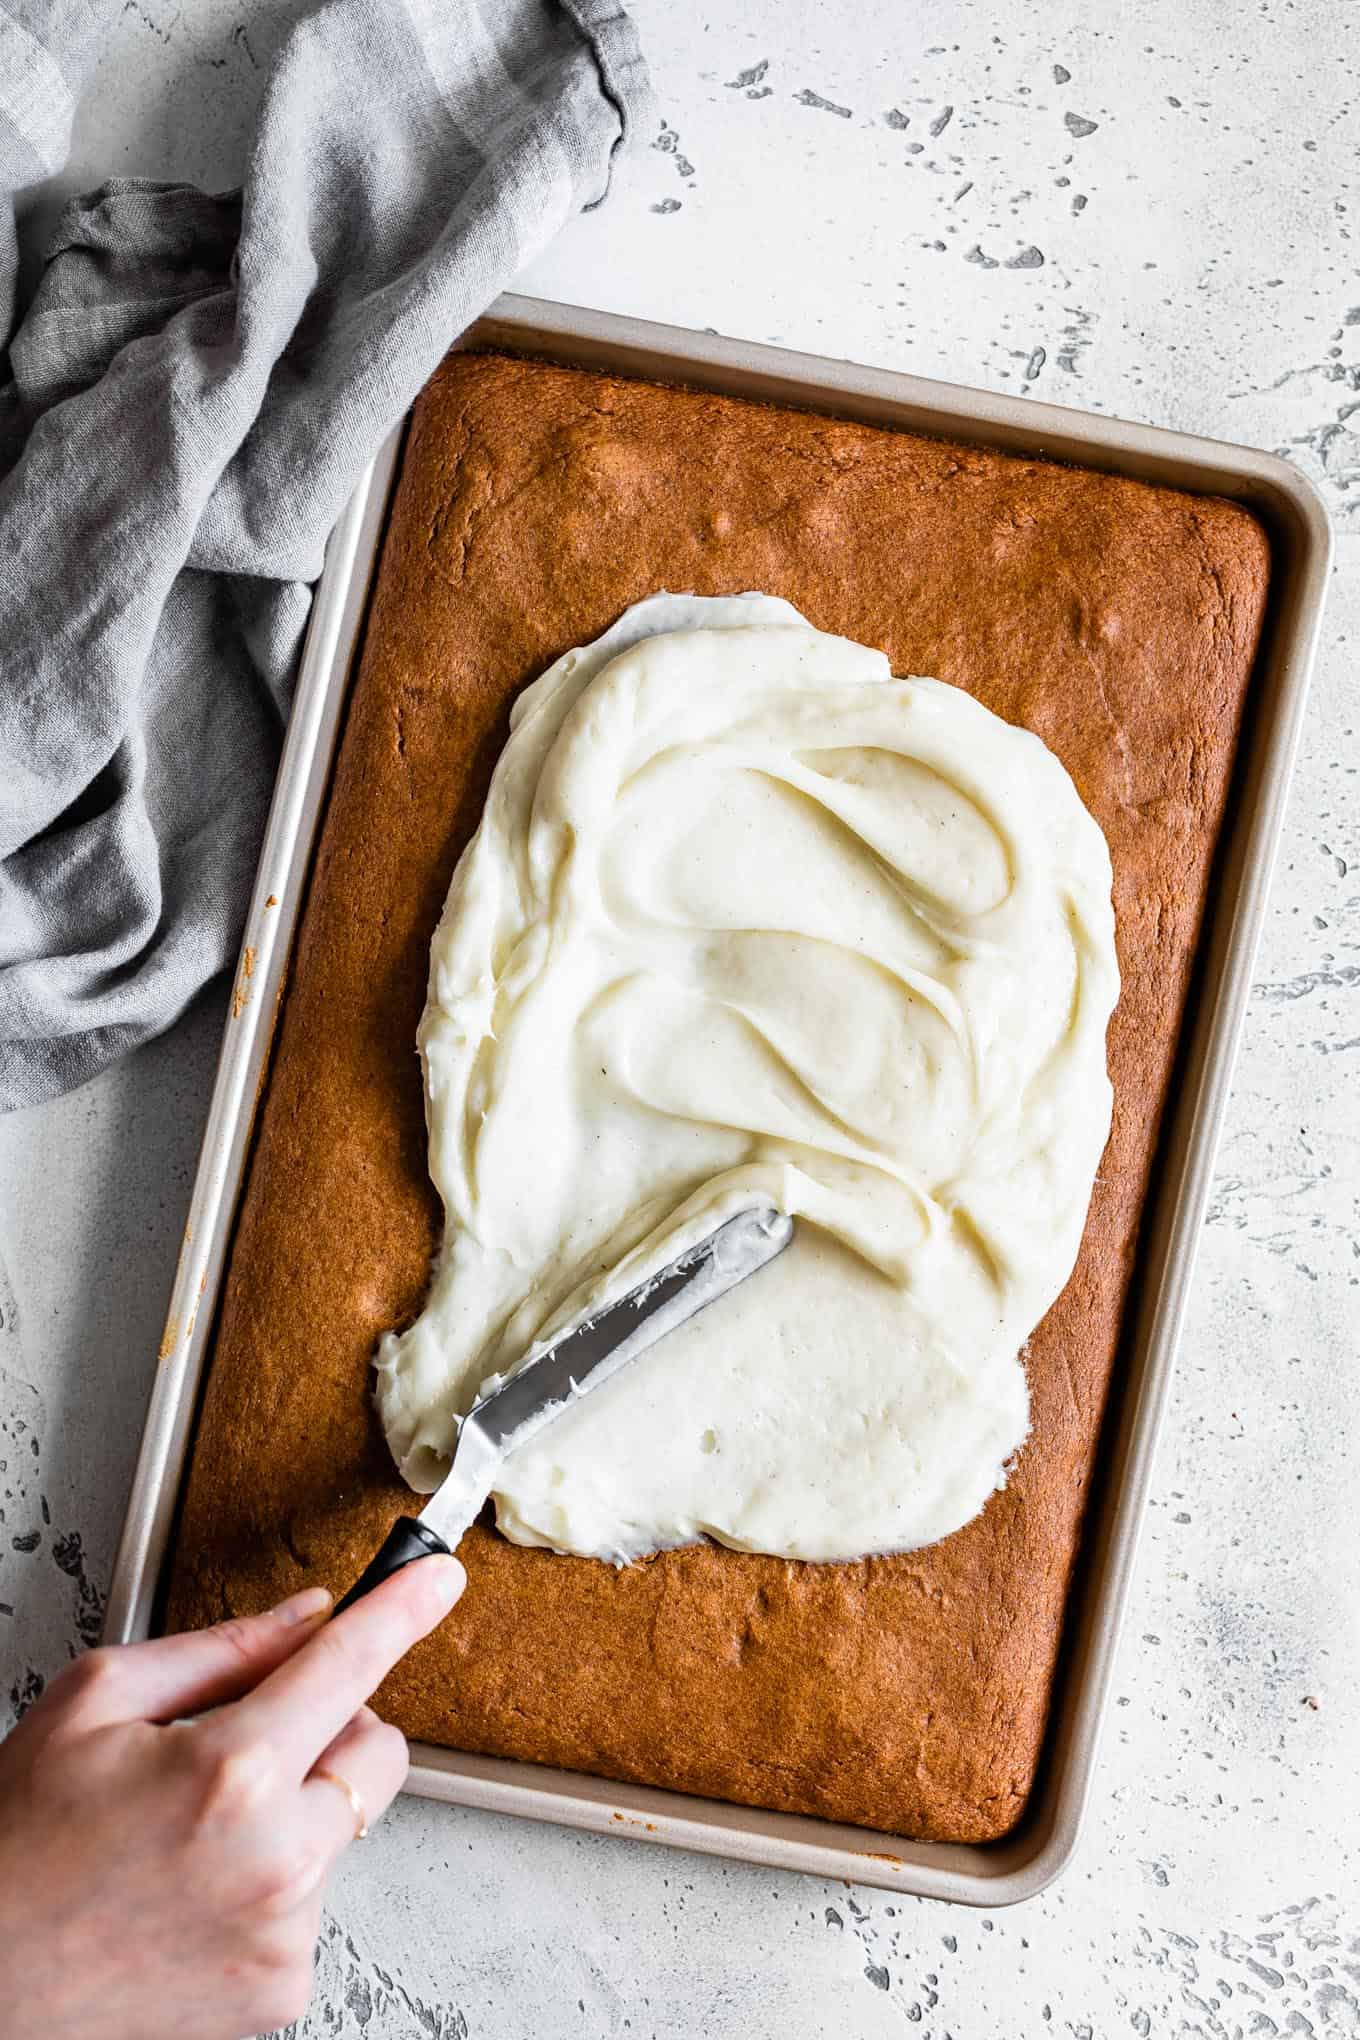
173	1676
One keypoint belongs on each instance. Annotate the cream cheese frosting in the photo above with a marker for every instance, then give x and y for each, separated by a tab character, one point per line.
747	919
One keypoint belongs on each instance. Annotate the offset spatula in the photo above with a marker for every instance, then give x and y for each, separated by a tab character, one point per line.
593	1353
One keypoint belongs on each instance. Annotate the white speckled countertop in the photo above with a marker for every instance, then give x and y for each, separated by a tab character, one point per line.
1151	211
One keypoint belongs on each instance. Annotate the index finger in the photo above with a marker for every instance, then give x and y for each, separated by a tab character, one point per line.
299	1709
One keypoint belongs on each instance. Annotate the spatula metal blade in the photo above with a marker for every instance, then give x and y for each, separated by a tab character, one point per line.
593	1352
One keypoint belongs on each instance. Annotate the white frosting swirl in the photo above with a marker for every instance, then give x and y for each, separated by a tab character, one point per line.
746	917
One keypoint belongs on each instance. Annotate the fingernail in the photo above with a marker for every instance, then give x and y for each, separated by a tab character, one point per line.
446	1578
304	1607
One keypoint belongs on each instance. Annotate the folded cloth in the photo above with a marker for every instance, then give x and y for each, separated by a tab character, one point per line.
193	393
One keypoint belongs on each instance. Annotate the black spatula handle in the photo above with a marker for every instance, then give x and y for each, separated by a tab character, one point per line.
406	1541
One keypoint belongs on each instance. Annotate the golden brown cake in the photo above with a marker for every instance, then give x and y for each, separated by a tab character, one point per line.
1119	622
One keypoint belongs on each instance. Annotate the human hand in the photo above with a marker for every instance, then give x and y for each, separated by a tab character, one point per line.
163	1876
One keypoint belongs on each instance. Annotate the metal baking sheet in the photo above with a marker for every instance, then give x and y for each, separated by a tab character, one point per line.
1021	1865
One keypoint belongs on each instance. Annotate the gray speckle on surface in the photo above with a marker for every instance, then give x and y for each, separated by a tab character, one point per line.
1028	258
668	144
1076	124
68	1555
809	98
754	76
449	1925
1061	74
1076	338
26	1687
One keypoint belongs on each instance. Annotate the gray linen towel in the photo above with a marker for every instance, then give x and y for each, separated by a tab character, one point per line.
192	395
